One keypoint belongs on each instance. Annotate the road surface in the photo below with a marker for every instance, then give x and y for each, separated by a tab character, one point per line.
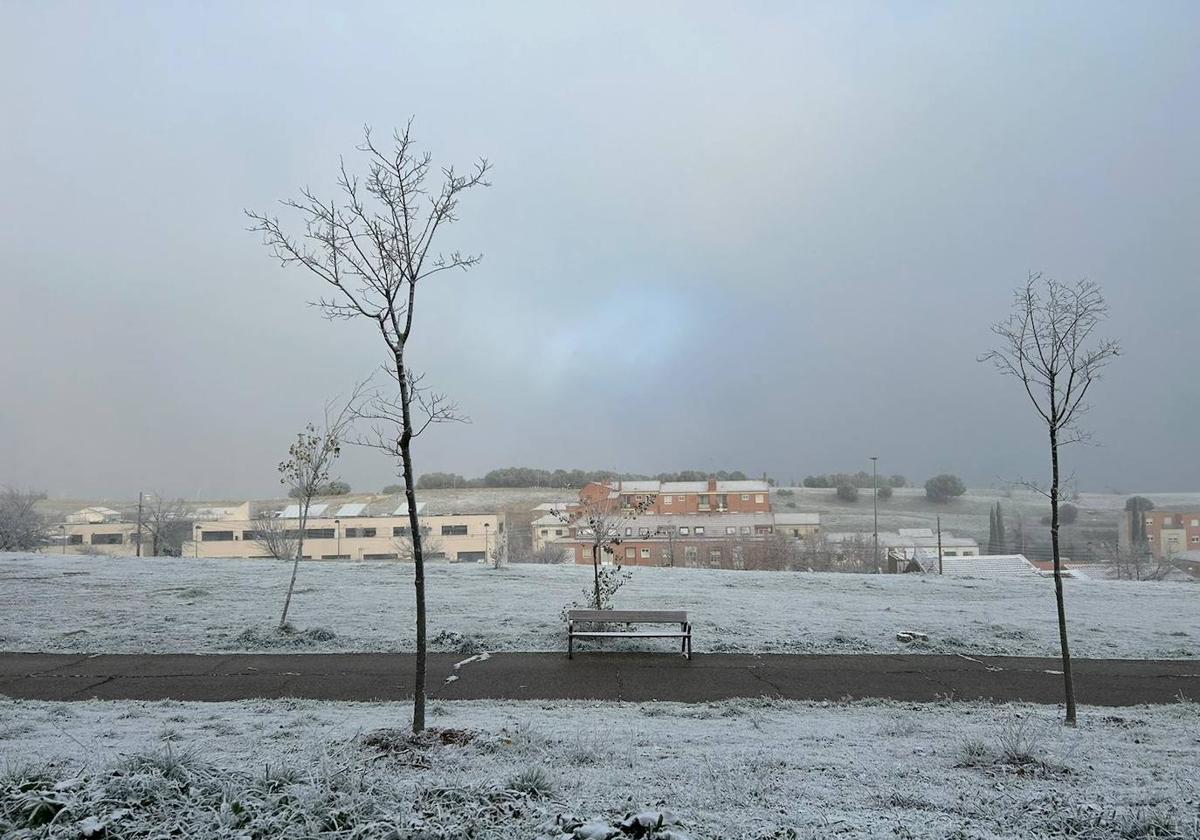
591	676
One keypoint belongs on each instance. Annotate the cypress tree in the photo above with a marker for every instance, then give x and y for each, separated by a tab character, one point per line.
1001	537
991	549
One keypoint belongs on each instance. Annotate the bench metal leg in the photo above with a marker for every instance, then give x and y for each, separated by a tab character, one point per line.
689	642
570	642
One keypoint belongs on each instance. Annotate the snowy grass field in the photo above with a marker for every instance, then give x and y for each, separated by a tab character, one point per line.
156	605
750	768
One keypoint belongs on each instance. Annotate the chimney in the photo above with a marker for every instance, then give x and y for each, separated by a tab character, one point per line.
712	484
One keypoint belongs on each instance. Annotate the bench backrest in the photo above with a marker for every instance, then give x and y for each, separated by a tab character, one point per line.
630	616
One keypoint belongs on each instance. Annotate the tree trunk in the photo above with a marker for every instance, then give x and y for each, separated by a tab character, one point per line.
1068	684
596	572
287	602
410	496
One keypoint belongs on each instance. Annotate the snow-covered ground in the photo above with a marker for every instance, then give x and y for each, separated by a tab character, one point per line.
736	769
56	603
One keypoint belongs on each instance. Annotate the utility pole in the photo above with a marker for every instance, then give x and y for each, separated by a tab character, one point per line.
939	527
139	524
875	503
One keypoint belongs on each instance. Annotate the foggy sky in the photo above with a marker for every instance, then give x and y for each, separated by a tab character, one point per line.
719	237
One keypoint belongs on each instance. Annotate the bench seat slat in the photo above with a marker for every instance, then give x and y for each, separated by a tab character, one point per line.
579	635
630	616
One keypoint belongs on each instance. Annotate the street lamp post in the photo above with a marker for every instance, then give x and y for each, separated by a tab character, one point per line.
486	531
337	531
62	536
875	502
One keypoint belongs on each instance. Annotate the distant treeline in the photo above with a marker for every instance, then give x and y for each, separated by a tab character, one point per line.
861	479
566	479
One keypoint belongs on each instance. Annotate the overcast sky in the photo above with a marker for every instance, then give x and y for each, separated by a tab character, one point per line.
721	236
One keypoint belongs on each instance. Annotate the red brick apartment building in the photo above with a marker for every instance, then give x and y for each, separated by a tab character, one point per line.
692	523
684	497
1171	533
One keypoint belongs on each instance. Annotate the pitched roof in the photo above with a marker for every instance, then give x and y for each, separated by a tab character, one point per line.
988	566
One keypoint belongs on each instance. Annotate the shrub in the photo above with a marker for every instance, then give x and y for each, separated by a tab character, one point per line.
1067	513
942	488
534	782
974	752
547	555
847	492
885	492
786	493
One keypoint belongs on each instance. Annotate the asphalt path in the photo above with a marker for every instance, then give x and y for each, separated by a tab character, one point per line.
591	676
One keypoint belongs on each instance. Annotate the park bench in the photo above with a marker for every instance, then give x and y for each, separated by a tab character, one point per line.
629	618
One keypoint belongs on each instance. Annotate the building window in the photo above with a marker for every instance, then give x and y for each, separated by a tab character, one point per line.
645	554
470	556
1196	538
110	539
722	500
249	536
399	532
744	529
759	499
629	532
545	532
730	530
684	530
666	500
319	534
335	556
689	554
558	532
745	497
705	501
360	533
699	531
630	552
205	536
454	530
381	556
1196	523
74	539
714	556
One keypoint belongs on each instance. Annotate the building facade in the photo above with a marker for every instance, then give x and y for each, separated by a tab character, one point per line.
352	532
1172	533
683	497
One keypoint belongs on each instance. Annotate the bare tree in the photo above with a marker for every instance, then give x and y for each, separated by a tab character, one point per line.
671	535
1134	563
22	527
272	534
167	523
305	472
1049	344
373	246
602	523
